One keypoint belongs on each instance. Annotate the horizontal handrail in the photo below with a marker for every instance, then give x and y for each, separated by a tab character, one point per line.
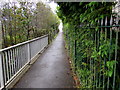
19	44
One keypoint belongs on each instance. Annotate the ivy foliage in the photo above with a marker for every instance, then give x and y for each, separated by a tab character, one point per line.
89	43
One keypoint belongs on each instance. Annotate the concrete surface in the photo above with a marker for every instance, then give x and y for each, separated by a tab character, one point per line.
51	70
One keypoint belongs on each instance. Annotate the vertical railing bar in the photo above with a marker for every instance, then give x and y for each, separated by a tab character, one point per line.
90	73
104	65
8	60
25	52
110	48
12	61
94	62
98	44
101	83
7	63
32	49
97	79
36	50
40	44
13	58
115	59
37	47
109	53
23	56
28	52
2	75
20	55
85	68
4	65
26	58
93	78
18	58
104	56
116	42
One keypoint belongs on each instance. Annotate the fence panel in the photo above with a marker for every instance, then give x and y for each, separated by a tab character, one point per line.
14	58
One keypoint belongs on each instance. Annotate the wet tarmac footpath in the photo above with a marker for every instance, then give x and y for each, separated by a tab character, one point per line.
51	70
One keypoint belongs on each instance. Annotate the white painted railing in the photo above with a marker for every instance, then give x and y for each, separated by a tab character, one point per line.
14	58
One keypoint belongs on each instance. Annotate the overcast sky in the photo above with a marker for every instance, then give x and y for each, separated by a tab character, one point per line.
51	4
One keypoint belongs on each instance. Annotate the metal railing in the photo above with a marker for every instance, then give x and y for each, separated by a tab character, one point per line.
14	58
95	52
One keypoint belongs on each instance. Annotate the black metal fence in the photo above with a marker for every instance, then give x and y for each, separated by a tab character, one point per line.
95	52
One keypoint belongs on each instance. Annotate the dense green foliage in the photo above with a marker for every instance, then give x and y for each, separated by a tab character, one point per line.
22	21
92	42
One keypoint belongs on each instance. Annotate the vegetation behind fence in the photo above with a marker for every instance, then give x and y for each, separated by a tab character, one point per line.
91	31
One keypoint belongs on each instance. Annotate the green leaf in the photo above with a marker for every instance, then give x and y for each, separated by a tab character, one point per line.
110	73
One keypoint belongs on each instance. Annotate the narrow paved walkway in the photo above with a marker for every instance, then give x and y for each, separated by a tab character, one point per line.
51	70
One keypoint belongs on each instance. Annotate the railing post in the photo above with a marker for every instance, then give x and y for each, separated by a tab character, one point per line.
2	83
48	38
28	46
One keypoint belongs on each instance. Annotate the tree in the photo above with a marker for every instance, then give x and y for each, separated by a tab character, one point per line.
21	21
